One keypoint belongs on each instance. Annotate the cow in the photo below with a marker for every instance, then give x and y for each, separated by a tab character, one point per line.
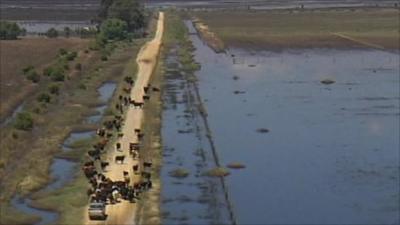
127	90
134	153
147	164
135	168
146	175
103	165
146	97
140	136
136	104
155	89
95	154
118	146
101	132
120	158
137	130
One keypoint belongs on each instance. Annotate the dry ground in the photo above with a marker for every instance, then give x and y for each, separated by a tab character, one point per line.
17	54
339	28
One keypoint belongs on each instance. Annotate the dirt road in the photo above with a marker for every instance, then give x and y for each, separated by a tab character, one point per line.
124	212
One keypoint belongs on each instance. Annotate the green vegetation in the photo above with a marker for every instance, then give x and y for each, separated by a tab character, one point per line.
23	121
67	31
113	29
54	89
10	30
44	97
52	33
217	172
130	11
31	74
179	173
56	73
119	20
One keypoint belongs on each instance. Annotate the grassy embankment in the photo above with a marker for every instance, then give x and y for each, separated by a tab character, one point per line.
27	155
175	34
277	29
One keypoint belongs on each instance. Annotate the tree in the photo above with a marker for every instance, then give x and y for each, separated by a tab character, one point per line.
33	76
104	6
44	97
54	89
23	121
130	11
113	29
52	33
56	73
10	30
67	31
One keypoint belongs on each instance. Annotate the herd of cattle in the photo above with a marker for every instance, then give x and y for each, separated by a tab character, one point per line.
103	189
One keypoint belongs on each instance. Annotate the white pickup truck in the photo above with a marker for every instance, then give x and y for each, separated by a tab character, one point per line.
97	210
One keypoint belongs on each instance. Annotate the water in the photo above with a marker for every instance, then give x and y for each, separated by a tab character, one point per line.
74	137
11	118
23	204
62	172
331	156
106	91
196	199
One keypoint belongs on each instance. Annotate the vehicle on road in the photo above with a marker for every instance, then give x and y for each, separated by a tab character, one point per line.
97	210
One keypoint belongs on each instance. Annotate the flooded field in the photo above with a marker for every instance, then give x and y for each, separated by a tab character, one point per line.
191	199
315	153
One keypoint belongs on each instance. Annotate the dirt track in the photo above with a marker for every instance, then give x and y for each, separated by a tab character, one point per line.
124	212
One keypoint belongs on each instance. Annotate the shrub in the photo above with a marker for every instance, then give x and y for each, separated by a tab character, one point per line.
52	33
10	30
62	51
56	73
23	121
33	76
113	29
104	58
44	97
78	66
82	86
54	89
71	56
27	69
67	31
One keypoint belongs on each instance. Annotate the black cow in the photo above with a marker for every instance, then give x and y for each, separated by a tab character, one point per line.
103	165
120	158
